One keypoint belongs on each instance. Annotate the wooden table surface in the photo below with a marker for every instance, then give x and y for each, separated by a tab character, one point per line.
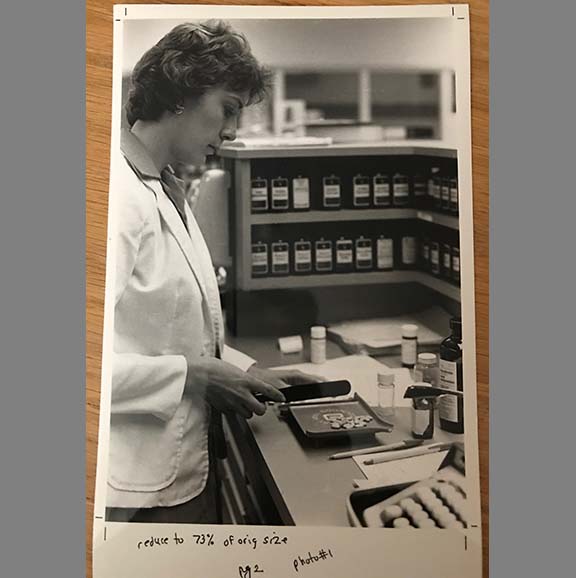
98	122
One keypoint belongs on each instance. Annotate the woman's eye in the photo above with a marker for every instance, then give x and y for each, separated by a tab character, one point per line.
229	111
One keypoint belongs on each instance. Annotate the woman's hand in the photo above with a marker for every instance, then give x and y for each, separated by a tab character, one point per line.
230	389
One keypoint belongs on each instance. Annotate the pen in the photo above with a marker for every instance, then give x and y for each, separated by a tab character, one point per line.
402	454
387	448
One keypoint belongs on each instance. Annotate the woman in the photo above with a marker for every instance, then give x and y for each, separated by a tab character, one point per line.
172	373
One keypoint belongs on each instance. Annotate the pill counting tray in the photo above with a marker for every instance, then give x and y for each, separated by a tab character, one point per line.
436	502
335	419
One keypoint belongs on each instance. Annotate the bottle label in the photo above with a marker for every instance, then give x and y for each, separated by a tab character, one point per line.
456	263
445	193
323	257
364	252
332	192
420	187
448	407
361	191
280	257
259	259
344	253
259	195
454	195
385	253
301	190
381	191
401	191
318	350
436	189
302	256
409	351
447	260
420	421
409	250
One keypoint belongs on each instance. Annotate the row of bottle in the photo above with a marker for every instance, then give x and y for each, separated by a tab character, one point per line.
445	373
434	191
362	254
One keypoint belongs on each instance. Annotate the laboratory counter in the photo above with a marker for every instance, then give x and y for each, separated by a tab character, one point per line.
274	476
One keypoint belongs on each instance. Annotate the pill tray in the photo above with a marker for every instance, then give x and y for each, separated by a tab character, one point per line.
436	502
336	419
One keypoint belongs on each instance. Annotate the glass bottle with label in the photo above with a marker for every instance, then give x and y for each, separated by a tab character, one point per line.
435	258
344	255
364	257
386	405
453	205
384	253
423	417
279	194
425	254
426	369
456	265
301	193
451	407
361	191
381	191
446	268
445	194
409	252
434	188
259	195
331	192
280	258
400	190
259	259
419	190
323	260
302	257
409	344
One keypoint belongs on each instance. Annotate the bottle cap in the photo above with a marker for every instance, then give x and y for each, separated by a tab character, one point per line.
427	358
409	330
386	379
318	332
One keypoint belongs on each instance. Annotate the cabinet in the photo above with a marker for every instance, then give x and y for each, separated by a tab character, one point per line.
384	206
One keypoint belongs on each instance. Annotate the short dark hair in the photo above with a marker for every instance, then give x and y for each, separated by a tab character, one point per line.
191	59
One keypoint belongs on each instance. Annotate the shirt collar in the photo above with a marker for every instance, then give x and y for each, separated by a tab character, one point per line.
137	155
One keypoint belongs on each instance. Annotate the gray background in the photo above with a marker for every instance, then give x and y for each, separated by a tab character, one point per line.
42	289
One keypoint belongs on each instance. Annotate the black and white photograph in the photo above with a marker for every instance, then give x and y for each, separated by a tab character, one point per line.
290	291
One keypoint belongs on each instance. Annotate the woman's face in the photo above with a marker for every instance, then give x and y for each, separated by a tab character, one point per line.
204	124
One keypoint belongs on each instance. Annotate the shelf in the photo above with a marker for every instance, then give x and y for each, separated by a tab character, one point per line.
391	148
356	278
439	285
449	221
331	216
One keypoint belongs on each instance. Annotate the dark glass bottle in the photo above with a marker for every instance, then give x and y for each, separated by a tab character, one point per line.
451	407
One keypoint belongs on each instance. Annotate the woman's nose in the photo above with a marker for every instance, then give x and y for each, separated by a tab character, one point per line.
229	131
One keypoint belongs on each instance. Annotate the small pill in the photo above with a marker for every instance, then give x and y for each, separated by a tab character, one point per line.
424	494
425	523
407	503
418	516
335	425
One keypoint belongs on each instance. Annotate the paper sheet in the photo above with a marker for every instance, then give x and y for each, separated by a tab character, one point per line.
362	373
407	470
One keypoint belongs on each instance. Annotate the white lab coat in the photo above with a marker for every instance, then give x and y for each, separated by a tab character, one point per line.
167	310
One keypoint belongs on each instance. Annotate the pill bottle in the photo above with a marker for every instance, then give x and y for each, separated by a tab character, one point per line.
426	369
318	344
361	191
445	194
456	265
344	255
409	252
259	195
323	256
363	254
434	186
384	253
301	193
302	257
259	259
446	269
386	406
435	258
381	191
400	190
280	195
419	190
409	344
425	254
331	192
453	204
280	258
451	407
423	417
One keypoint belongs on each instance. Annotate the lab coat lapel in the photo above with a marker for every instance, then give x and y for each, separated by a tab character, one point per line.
176	225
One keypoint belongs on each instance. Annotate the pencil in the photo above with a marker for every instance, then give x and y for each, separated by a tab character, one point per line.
375	449
402	454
